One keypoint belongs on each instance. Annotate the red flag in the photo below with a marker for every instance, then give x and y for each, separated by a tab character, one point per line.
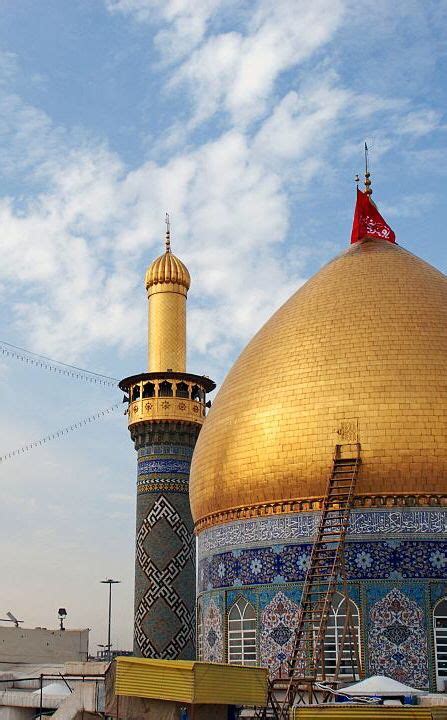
368	222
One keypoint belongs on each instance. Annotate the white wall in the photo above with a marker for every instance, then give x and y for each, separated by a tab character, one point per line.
38	645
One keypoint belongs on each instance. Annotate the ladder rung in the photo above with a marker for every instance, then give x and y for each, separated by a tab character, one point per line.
331	534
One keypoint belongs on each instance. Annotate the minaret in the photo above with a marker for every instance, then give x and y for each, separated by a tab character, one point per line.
165	414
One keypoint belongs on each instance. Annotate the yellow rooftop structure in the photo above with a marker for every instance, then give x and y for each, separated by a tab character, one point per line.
191	682
365	712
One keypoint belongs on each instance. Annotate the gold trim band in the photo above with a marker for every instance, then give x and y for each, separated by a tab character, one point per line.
162	487
369	500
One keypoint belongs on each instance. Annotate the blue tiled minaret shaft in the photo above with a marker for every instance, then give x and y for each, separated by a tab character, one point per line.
165	544
165	413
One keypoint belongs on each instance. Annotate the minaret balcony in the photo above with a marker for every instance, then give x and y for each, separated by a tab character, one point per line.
166	396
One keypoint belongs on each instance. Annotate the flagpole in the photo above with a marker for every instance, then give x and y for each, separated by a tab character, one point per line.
368	188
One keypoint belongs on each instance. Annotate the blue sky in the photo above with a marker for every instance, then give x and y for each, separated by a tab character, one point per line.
246	121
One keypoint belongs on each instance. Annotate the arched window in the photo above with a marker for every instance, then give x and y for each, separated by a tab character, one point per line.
196	393
165	389
440	633
242	633
148	390
135	392
182	390
334	638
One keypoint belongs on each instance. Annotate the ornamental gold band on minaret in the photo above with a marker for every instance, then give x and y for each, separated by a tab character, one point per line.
166	409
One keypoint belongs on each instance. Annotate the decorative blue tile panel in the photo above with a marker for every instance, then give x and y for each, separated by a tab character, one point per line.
396	563
438	591
288	563
398	522
157	465
148	450
249	594
397	637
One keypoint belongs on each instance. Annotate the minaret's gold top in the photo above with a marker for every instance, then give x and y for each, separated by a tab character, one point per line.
167	270
166	392
167	284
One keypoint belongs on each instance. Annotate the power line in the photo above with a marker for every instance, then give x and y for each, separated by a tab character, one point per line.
56	366
58	433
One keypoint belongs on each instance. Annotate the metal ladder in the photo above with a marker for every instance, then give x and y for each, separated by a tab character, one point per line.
326	566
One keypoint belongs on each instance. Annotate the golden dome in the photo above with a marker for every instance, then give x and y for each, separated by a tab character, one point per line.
362	344
167	269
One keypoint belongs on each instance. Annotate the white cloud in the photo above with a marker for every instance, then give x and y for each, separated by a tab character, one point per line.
420	122
75	254
183	23
236	72
290	132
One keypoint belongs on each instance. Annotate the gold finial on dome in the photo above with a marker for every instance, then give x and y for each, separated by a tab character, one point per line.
167	272
168	233
368	188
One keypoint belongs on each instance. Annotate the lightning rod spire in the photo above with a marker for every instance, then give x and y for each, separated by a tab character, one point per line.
168	233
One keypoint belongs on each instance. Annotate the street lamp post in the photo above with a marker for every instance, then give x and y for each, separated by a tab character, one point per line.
109	582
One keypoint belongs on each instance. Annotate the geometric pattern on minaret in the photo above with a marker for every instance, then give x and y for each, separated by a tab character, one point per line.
166	410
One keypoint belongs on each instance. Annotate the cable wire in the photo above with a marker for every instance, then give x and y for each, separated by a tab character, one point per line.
56	366
58	433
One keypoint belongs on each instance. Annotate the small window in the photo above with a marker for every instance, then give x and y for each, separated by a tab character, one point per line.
196	393
242	633
148	390
440	633
182	390
135	392
165	389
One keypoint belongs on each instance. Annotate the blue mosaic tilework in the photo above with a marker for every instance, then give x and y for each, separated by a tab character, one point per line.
395	617
266	596
288	563
149	450
249	594
157	465
397	633
438	591
396	522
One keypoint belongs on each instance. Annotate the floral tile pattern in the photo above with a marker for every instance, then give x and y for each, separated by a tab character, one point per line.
365	560
213	645
398	640
278	622
396	563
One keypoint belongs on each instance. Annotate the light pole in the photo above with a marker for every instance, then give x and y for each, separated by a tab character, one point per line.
109	582
62	614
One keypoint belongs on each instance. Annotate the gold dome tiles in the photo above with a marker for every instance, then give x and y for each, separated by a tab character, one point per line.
363	342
